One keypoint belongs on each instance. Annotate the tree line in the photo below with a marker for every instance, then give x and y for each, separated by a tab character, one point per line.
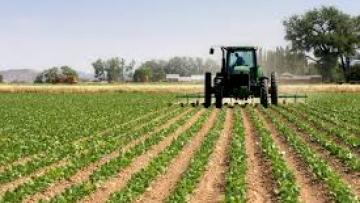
322	41
156	70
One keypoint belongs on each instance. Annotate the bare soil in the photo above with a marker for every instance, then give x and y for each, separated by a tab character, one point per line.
310	189
117	182
212	185
85	173
258	177
160	189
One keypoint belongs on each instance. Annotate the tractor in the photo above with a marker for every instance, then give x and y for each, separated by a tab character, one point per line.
240	78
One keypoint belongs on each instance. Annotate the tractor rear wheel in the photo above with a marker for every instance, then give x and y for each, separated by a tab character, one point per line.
264	92
207	96
219	97
274	89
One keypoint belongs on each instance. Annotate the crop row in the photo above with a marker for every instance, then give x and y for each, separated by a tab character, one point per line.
287	189
338	119
82	149
142	179
114	166
343	154
191	177
235	178
51	124
318	121
339	190
89	153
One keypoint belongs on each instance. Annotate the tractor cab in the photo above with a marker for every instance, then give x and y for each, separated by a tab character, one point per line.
240	77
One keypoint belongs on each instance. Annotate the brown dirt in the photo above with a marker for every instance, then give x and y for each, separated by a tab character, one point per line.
258	177
159	189
212	185
117	182
12	185
348	176
85	173
310	189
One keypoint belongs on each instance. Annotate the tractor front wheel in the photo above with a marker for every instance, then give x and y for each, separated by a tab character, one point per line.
264	92
219	97
207	96
274	89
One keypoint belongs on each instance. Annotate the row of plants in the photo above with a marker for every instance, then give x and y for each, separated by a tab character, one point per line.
319	167
191	177
346	106
114	166
342	153
92	152
43	157
287	189
142	179
73	151
317	120
34	123
340	119
235	190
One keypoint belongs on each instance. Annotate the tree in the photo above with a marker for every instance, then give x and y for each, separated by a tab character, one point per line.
327	35
64	74
157	69
1	79
99	70
113	70
143	74
69	75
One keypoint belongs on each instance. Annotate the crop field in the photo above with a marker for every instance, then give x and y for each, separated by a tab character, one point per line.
135	147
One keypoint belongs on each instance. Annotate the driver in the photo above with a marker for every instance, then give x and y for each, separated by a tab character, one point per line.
239	60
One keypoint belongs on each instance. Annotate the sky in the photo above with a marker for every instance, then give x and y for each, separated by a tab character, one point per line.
40	34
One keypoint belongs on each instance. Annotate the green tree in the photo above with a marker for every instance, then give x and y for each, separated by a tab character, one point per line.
157	69
99	70
327	35
64	74
1	79
69	75
143	74
114	69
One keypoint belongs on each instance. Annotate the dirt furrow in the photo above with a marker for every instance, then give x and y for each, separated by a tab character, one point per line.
117	182
310	189
212	185
12	185
258	175
159	189
349	177
85	173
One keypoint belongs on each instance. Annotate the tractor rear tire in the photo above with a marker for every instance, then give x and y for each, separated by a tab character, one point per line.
207	96
219	97
274	89
264	92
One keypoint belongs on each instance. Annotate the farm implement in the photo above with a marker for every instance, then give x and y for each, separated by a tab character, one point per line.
197	99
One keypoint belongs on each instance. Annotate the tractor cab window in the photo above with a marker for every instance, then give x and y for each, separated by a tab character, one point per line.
241	59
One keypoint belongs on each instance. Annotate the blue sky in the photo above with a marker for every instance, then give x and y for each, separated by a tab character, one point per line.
39	34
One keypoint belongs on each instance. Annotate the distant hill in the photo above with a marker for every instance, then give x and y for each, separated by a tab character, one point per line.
29	75
19	75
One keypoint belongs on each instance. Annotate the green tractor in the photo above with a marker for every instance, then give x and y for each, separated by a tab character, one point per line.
240	78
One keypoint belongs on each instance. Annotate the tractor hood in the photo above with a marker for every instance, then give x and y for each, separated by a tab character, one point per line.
241	70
